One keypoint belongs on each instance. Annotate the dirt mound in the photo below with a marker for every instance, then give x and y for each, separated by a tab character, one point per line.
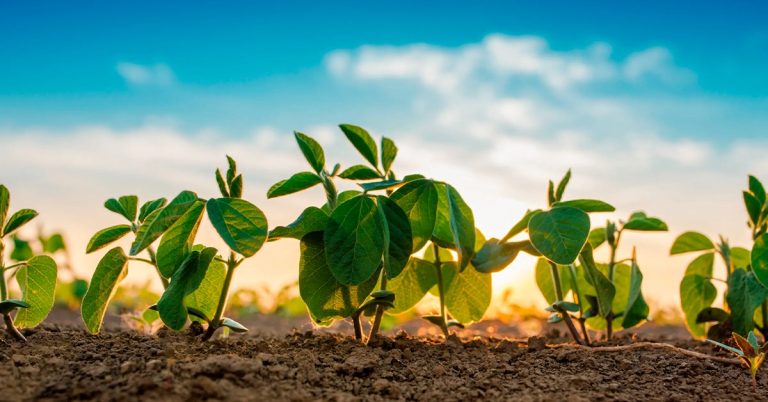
62	363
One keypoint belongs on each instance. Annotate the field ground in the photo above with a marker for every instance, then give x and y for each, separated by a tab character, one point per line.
62	363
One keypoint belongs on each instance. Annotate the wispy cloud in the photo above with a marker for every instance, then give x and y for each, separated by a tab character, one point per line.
157	75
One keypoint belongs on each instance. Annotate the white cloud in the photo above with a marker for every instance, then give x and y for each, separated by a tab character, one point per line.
656	62
158	75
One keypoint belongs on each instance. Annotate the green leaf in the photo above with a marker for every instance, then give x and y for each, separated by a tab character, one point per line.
467	293
636	309
149	315
359	172
37	281
412	284
745	294
545	282
178	239
757	189
18	219
388	153
205	298
236	187
712	314
740	257
380	185
691	241
239	223
597	237
7	306
362	141
753	206
495	256
233	325
298	182
398	241
559	234
520	226
222	184
586	205
454	224
105	237
636	314
149	207
153	228
324	296
185	280
313	219
109	272
418	199
759	259
562	185
640	221
54	243
115	206
22	250
232	169
353	239
312	151
5	202
129	204
605	290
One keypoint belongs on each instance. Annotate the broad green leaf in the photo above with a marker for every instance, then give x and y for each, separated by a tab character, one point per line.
185	280
640	221
636	314
418	199
714	314
362	141
54	243
9	305
691	241
495	256
178	239
354	243
380	185
759	259
545	281
312	151
37	281
149	316
22	250
18	219
388	153
359	172
109	272
454	224
597	237
163	219
740	257
412	284
130	205
324	296
586	205
605	290
239	223
298	182
114	205
149	207
745	294
559	234
313	219
520	226
467	293
753	206
5	202
757	189
206	297
398	241
107	236
696	293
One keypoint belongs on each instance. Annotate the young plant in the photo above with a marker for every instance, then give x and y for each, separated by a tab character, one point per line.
113	266
746	275
749	352
559	236
199	278
36	276
355	240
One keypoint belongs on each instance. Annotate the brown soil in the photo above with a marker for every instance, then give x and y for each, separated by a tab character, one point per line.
61	363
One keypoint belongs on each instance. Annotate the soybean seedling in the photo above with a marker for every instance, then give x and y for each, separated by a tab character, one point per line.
746	275
35	276
355	240
749	352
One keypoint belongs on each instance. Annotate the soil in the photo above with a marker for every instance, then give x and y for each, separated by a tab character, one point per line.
61	362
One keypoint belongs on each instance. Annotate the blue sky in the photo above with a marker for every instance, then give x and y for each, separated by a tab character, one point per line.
658	106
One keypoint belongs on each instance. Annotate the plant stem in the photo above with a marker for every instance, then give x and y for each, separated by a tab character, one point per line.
379	310
331	194
611	275
215	323
577	299
440	291
9	327
564	314
358	326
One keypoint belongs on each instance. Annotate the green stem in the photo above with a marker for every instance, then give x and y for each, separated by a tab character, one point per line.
564	314
441	291
379	310
9	327
215	323
577	299
331	194
611	275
